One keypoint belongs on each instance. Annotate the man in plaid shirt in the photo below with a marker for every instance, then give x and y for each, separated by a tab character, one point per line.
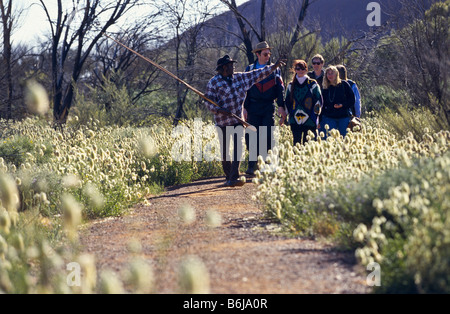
228	90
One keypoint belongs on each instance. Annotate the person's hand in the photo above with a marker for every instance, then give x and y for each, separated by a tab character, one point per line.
338	106
317	108
283	115
280	62
245	114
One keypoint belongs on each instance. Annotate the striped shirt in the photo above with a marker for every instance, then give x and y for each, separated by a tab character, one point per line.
230	94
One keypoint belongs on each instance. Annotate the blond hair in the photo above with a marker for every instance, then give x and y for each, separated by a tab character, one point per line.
326	82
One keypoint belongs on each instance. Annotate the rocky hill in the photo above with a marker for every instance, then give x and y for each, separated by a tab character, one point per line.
334	18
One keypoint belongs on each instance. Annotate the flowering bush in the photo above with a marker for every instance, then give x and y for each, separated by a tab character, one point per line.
33	262
51	180
408	234
368	191
107	169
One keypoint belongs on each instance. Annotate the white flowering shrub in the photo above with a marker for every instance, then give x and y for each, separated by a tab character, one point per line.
408	234
52	180
372	192
33	262
107	169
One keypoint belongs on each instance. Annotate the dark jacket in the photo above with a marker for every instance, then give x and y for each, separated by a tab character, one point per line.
319	79
340	94
261	96
304	102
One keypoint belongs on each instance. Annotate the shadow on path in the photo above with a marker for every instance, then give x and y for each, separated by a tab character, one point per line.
213	183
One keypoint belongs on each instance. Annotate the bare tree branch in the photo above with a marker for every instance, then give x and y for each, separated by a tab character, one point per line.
84	37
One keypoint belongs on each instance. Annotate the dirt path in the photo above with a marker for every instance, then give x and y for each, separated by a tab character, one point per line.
243	255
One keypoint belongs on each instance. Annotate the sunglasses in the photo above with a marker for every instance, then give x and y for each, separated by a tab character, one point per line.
266	54
299	69
317	63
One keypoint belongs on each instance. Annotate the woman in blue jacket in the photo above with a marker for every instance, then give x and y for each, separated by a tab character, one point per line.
338	102
343	75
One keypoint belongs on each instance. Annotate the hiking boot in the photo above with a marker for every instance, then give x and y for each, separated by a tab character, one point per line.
250	172
252	166
234	183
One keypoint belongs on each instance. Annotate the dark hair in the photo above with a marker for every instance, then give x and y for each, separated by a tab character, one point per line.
318	56
342	72
297	62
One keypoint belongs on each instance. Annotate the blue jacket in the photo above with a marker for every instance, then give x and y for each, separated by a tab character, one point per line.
357	98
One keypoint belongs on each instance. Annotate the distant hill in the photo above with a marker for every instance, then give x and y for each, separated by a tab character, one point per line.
334	18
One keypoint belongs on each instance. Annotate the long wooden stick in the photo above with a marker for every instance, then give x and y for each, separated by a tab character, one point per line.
245	123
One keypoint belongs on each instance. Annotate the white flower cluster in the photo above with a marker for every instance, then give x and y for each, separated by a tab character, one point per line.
73	174
419	215
103	163
292	177
298	185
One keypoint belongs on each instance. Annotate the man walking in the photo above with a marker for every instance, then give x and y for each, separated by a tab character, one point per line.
228	89
259	107
318	73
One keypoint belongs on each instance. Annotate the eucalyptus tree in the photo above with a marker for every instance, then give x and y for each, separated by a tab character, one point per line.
185	21
10	12
249	28
75	29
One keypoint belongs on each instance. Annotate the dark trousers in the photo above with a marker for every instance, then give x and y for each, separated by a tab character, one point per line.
231	162
263	141
299	132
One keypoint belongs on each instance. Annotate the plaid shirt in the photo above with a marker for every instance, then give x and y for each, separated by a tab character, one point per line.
230	94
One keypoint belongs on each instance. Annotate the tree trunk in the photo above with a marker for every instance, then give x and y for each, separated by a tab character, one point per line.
6	14
301	17
64	36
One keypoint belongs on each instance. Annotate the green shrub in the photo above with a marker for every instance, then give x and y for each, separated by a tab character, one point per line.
402	121
85	172
408	235
16	150
381	97
389	194
107	169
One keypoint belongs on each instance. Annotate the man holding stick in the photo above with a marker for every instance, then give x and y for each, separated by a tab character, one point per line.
228	90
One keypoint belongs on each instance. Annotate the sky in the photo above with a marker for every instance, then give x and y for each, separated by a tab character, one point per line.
30	23
33	23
